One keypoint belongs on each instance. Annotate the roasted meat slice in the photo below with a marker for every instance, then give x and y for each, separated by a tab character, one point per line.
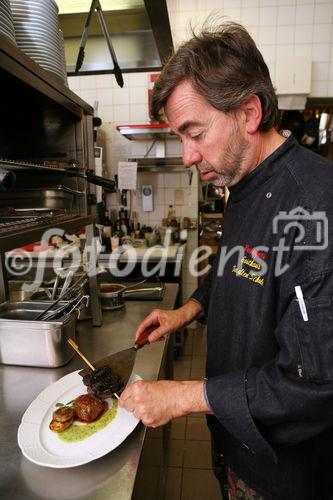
103	382
88	408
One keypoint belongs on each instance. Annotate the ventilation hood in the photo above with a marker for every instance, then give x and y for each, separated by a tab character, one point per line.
139	31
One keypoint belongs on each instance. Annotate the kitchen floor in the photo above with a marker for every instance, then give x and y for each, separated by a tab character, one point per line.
189	472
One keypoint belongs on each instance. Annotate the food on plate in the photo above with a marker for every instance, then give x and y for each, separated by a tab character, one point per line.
64	413
56	426
103	382
62	418
88	408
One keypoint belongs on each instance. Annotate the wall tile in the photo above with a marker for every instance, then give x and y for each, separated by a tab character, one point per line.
320	71
233	14
249	16
268	3
172	180
284	50
231	4
304	14
320	52
304	49
89	96
87	82
304	33
106	113
322	33
285	34
159	196
330	73
121	114
330	89
105	96
138	95
138	79
104	81
267	35
319	89
253	31
323	13
250	3
74	82
267	16
139	113
268	52
169	195
120	95
286	15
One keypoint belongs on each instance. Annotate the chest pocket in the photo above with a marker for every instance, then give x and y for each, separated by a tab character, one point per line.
315	339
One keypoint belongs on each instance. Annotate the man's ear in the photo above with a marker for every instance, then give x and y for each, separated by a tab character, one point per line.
253	113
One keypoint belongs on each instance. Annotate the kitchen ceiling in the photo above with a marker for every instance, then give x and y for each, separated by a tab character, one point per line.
139	31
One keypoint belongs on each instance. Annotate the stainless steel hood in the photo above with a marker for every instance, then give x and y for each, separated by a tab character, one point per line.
140	35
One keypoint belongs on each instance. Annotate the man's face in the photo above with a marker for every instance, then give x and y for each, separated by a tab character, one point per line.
212	140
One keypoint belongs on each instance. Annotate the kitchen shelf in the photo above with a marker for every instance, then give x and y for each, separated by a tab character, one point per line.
15	63
151	131
13	239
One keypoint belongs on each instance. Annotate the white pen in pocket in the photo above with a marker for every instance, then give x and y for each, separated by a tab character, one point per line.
301	303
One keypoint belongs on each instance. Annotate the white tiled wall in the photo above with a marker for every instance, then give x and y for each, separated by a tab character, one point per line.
279	27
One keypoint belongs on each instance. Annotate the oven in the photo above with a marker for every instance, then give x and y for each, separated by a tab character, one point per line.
46	160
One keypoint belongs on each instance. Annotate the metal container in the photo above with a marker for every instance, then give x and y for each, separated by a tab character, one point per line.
26	342
112	296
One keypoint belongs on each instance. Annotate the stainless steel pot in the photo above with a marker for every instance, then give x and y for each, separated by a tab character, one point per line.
113	295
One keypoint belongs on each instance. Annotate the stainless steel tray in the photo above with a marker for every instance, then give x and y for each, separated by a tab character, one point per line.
26	342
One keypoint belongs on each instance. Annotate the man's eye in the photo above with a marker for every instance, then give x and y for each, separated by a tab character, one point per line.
195	136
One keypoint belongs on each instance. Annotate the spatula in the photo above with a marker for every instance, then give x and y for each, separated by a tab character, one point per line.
122	362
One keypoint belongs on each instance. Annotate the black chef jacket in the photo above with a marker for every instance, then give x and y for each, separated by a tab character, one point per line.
269	372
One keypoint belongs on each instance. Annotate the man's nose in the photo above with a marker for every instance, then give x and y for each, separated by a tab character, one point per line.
190	155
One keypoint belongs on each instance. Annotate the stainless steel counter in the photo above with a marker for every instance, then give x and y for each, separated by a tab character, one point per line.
110	477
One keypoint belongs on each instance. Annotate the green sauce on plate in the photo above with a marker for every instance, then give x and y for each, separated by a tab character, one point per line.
76	433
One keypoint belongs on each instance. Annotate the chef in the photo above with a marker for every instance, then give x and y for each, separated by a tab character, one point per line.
267	300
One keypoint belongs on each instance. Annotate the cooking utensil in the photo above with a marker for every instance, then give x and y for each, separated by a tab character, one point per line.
55	286
95	5
113	295
67	308
76	349
122	362
69	290
67	282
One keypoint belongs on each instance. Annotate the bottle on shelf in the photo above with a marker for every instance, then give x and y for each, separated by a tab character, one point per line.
106	232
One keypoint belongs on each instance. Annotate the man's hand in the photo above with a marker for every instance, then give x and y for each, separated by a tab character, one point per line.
156	403
161	321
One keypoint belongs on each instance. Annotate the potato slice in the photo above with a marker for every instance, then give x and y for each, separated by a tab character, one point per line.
60	426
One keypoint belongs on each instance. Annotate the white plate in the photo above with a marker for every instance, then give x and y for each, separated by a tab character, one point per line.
43	447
